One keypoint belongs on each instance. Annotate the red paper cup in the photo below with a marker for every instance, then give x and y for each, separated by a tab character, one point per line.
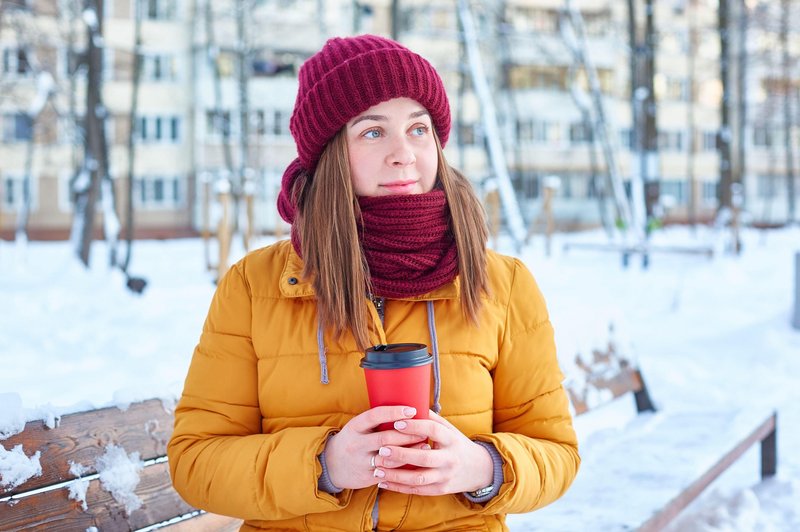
399	374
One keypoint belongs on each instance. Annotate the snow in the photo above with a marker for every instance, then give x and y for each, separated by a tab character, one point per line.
16	467
708	334
77	491
119	475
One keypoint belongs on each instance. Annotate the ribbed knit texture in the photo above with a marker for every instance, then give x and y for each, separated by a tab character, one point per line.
344	79
408	244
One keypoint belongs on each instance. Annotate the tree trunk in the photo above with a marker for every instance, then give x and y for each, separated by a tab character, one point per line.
95	157
132	131
724	135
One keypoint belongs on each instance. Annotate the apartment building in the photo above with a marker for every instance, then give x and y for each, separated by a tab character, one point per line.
218	82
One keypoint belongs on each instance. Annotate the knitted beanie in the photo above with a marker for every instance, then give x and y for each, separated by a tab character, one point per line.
347	77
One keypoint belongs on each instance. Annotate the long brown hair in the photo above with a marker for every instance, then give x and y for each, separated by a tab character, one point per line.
327	210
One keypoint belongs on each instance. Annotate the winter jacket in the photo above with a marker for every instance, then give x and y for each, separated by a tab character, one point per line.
255	413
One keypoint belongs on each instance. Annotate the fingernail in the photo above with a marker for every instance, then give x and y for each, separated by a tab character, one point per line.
400	425
382	485
384	451
410	412
379	473
426	447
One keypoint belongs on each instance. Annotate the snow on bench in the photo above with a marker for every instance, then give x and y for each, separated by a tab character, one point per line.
104	468
640	477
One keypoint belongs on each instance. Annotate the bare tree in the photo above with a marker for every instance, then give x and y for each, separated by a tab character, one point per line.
95	163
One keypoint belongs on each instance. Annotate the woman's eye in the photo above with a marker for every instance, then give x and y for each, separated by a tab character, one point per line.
419	131
372	134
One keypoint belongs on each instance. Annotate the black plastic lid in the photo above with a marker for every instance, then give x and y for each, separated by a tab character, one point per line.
396	356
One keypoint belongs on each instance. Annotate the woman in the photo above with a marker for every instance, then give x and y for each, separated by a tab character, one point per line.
388	245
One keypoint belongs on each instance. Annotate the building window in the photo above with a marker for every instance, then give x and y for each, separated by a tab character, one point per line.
677	190
626	138
158	129
579	133
15	62
670	140
710	198
597	24
17	127
467	134
157	9
762	137
538	131
537	77
13	191
218	123
158	192
280	123
709	141
527	19
767	186
427	18
159	67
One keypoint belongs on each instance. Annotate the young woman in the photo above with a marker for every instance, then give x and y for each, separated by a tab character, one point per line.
388	245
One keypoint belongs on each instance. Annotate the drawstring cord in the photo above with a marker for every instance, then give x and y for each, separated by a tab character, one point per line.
323	356
437	383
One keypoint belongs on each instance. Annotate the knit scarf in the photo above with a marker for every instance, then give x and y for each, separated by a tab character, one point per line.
407	242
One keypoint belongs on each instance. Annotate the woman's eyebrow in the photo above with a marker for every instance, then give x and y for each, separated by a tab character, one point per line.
383	118
377	118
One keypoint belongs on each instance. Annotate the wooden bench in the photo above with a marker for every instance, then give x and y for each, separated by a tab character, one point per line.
43	502
662	460
707	444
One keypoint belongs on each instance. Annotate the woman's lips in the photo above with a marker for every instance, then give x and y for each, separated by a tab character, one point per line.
400	187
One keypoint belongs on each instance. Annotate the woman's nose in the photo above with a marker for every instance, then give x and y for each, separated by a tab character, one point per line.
401	154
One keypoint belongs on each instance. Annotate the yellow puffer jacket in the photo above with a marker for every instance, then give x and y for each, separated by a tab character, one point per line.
254	414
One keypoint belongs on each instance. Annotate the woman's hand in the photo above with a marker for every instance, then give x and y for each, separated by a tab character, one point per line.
455	464
351	454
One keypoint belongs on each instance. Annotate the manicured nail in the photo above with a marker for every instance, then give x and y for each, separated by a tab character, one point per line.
384	451
379	473
400	425
382	485
426	447
410	412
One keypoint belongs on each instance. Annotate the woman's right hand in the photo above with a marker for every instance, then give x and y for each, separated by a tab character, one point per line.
349	453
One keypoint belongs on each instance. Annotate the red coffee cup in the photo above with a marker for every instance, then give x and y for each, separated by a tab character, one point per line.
399	374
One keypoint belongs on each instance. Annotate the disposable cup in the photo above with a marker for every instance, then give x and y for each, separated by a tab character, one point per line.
398	374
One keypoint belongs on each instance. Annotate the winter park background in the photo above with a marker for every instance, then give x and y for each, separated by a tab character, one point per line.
706	333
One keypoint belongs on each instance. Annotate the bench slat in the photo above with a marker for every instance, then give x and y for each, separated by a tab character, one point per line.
144	427
55	511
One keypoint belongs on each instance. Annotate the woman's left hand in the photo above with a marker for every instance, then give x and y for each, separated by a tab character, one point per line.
453	463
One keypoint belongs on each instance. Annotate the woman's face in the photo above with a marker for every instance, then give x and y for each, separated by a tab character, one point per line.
392	150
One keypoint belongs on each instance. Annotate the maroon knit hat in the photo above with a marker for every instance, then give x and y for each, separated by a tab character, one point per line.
347	77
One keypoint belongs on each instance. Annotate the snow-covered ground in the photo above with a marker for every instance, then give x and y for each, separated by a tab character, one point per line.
706	333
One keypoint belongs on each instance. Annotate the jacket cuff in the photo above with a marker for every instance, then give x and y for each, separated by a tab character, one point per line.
324	482
497	478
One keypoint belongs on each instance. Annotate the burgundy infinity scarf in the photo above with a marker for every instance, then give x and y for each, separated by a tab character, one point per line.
407	242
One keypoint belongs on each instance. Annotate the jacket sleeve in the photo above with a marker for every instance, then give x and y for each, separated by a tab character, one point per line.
219	459
532	423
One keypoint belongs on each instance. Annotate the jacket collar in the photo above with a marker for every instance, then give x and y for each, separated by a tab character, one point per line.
293	284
